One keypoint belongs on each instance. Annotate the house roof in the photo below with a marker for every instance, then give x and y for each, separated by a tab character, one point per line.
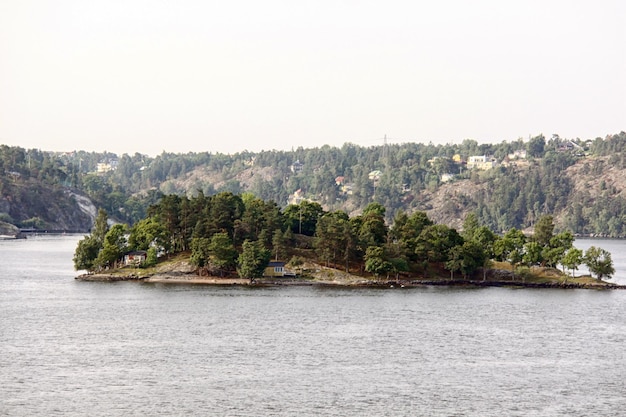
275	263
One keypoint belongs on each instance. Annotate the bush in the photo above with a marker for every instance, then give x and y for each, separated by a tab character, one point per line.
524	273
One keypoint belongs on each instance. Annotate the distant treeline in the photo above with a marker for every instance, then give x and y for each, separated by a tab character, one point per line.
350	177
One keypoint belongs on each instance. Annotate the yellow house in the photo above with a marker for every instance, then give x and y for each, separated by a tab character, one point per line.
277	269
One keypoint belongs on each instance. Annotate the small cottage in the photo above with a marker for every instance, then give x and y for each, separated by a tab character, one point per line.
277	269
135	258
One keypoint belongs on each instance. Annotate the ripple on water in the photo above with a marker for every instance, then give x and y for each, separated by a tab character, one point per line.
75	348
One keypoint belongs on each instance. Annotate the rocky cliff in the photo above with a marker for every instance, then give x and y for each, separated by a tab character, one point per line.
32	205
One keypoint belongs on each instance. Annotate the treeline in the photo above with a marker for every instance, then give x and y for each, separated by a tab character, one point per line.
227	233
340	178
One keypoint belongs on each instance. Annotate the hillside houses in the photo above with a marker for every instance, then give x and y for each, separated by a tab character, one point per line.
481	162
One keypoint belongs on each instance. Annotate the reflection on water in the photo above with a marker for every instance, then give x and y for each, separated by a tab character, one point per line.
80	348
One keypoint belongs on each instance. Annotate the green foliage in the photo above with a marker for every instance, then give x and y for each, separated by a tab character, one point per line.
536	146
572	259
151	258
332	236
279	244
553	253
507	198
532	254
34	222
435	242
544	230
470	226
200	254
252	260
466	258
375	262
372	230
149	233
302	218
222	252
113	248
599	262
101	226
510	247
86	253
515	196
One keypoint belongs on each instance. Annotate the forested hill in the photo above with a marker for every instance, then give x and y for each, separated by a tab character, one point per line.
509	184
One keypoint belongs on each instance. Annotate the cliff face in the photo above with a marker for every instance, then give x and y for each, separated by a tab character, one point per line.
8	230
30	204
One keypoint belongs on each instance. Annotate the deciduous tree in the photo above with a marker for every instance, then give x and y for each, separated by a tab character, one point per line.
599	262
572	259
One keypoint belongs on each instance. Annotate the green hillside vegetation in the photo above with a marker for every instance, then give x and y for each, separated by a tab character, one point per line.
580	182
236	235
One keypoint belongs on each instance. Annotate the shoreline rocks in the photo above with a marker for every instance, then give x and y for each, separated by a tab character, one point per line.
363	283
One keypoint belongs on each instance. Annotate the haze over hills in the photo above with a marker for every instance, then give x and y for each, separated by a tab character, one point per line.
510	184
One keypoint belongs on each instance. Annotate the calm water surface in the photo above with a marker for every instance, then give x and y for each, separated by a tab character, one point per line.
72	348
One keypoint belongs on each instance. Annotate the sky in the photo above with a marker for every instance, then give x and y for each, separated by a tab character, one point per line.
149	76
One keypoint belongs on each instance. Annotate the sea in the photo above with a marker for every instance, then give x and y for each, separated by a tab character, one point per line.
72	348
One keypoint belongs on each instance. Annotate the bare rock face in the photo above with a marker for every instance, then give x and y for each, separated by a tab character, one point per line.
176	268
31	205
8	230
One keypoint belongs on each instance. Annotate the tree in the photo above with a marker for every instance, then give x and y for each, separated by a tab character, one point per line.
470	226
513	240
372	230
225	208
200	254
510	247
330	236
375	262
435	242
599	262
406	230
113	248
536	146
466	258
252	260
151	258
223	254
455	260
89	247
302	218
559	244
168	212
279	244
532	254
149	233
101	226
544	230
86	253
572	259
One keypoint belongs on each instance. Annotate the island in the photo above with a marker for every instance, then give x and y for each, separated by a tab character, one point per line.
228	239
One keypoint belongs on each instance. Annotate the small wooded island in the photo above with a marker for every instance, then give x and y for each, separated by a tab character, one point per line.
240	239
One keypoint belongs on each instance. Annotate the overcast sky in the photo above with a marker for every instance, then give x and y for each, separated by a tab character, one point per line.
225	76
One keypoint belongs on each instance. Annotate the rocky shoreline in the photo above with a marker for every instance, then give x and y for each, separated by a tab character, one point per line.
354	283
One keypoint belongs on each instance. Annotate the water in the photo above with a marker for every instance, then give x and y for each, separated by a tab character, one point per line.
78	348
617	248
